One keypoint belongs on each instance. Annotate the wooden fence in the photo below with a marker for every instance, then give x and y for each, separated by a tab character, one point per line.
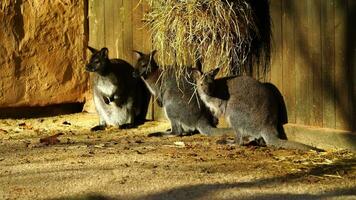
117	25
313	62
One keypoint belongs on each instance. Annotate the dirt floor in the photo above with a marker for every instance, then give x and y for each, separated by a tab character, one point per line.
127	164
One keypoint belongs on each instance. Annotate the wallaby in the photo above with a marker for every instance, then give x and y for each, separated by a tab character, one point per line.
177	96
249	107
120	99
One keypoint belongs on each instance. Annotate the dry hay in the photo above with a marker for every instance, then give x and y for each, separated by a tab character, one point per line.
223	33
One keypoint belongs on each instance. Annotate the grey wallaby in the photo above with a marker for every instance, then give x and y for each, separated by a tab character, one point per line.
177	96
120	99
250	107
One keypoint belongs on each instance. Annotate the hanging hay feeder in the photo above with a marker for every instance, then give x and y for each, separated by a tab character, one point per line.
216	32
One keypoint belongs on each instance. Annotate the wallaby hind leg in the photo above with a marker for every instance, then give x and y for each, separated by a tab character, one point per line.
212	131
207	129
238	138
175	130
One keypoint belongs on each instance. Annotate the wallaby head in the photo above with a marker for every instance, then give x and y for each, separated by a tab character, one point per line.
205	82
98	61
145	64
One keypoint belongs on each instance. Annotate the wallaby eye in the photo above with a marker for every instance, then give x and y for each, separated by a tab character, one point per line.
142	64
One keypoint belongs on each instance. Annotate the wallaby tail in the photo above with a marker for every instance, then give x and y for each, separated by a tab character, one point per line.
287	144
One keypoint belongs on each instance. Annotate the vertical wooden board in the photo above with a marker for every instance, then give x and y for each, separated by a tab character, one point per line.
116	40
147	41
96	23
92	15
141	34
302	62
276	72
119	28
109	27
127	31
137	16
352	59
289	80
328	62
315	68
342	100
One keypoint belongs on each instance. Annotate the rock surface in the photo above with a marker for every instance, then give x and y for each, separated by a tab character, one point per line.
42	52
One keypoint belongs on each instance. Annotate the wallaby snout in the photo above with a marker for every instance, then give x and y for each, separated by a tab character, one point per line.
91	68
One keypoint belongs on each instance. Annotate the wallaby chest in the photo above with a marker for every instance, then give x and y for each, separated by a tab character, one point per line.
106	85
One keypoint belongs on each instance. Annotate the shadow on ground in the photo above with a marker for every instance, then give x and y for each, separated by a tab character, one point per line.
206	191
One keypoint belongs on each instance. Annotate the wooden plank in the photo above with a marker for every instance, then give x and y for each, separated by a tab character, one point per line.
137	23
315	69
116	39
328	62
289	81
119	18
324	138
96	23
147	42
92	15
109	27
128	31
342	100
276	72
352	60
302	63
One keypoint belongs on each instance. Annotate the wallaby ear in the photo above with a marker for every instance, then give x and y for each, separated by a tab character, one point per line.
92	50
198	65
138	54
153	53
214	72
104	52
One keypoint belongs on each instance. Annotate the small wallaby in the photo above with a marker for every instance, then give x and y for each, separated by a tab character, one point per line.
249	106
177	96
120	99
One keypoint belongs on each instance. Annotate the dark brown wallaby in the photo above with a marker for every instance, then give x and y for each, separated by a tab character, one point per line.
249	106
177	96
120	99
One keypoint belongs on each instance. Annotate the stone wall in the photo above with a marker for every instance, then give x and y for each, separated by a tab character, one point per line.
42	54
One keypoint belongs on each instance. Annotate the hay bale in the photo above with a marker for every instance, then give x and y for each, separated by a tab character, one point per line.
217	32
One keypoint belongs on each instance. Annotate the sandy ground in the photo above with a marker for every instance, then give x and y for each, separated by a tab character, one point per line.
127	164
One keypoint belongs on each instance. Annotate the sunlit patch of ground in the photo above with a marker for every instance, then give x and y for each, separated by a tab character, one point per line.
127	164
